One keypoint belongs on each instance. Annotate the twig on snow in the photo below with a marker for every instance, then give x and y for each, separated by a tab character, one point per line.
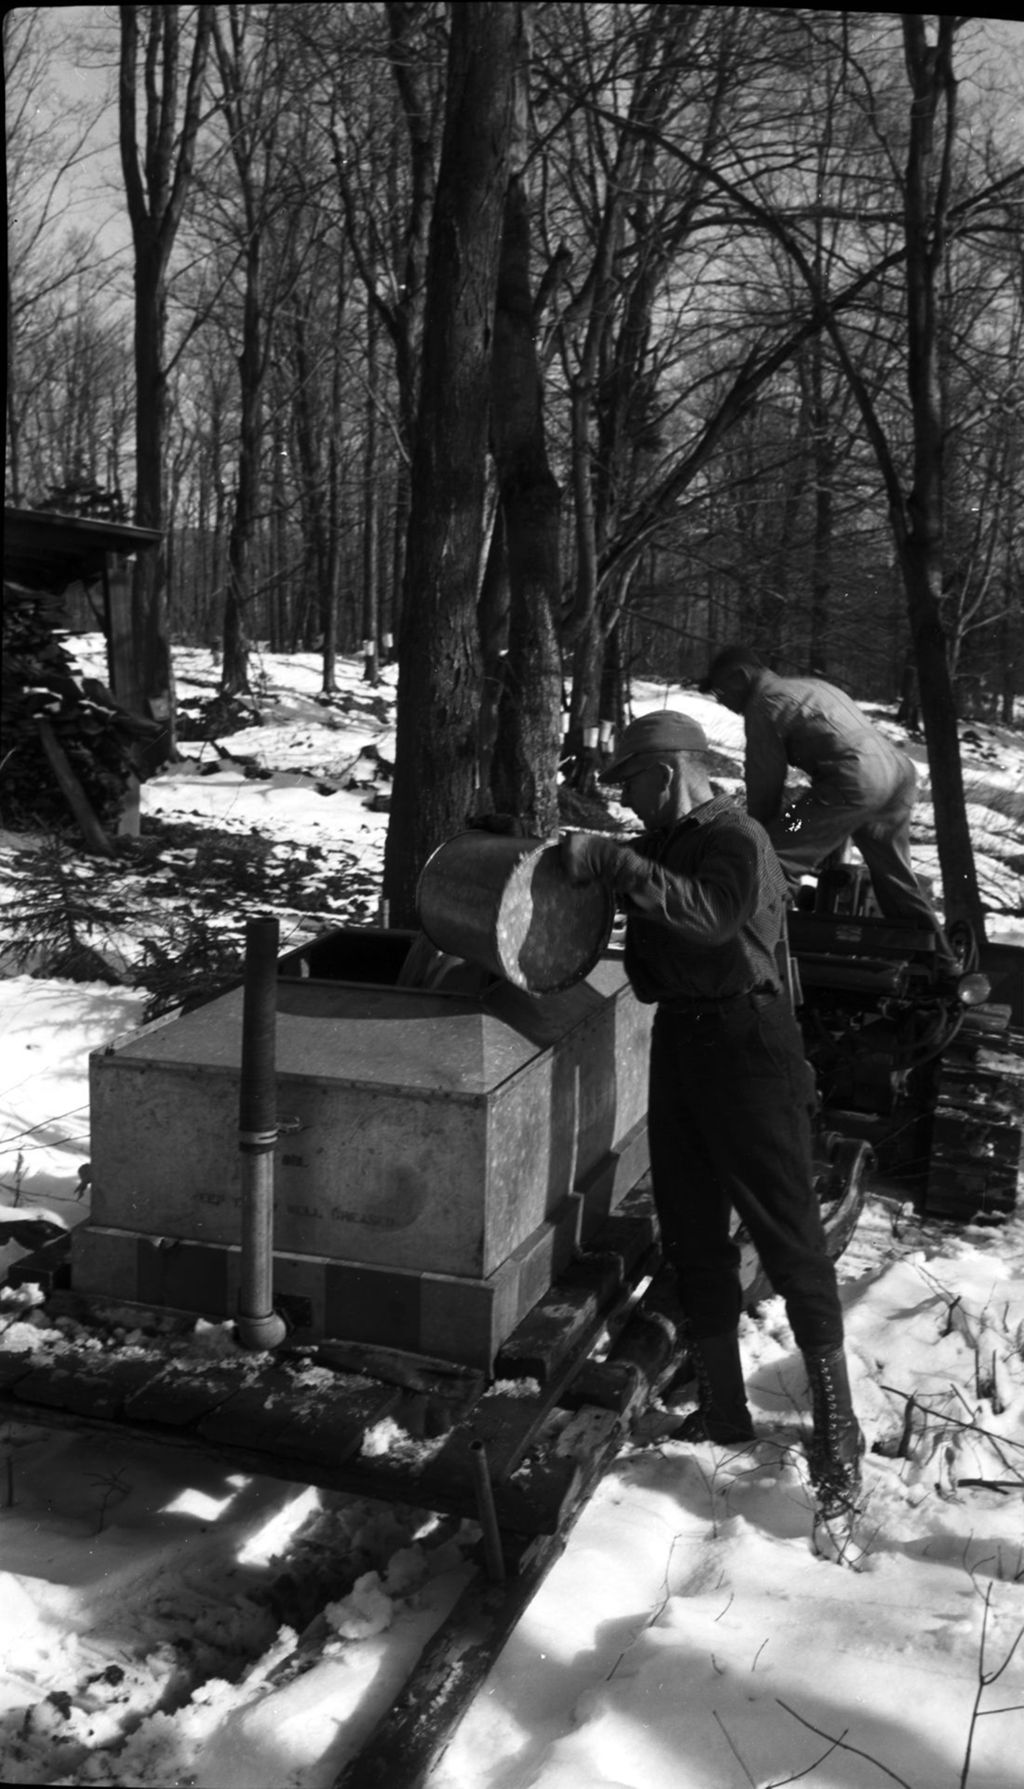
988	1484
955	1422
779	1782
656	1613
734	1749
835	1744
985	1678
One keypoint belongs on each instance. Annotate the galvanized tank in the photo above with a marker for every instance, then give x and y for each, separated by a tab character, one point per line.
441	1155
507	904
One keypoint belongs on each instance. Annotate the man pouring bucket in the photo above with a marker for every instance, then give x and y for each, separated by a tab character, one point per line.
731	1096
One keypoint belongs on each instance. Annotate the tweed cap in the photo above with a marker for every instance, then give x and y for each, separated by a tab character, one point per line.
653	736
731	658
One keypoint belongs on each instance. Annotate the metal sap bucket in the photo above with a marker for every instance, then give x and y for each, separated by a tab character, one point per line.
507	903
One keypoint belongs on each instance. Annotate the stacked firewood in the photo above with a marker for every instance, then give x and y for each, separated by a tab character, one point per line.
63	736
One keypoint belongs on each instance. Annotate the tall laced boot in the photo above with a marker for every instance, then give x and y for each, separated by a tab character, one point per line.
722	1413
837	1442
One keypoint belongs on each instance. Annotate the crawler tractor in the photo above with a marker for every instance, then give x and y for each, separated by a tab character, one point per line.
926	1066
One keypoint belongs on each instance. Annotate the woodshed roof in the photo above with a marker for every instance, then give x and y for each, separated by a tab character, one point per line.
47	551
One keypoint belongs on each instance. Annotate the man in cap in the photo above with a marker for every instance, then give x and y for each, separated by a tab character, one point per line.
730	1094
861	785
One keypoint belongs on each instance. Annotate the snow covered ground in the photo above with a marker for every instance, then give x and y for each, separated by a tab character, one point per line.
163	1623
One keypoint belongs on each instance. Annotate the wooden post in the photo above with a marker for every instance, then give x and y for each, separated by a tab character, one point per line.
121	674
487	1513
95	838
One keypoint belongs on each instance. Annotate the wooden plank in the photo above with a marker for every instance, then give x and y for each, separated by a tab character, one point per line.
562	1322
304	1415
508	1421
389	1479
234	1458
86	1383
548	1347
610	1384
185	1391
572	1310
255	1415
505	1425
328	1428
645	1355
645	1351
436	1394
47	1267
266	1407
417	1372
534	1500
528	1497
106	1312
92	832
322	1448
537	1496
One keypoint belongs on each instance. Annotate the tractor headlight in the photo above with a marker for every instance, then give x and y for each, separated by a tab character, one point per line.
973	990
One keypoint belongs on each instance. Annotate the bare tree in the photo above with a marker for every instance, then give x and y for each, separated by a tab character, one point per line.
524	760
624	214
157	171
314	321
916	506
928	213
712	211
269	221
439	659
46	263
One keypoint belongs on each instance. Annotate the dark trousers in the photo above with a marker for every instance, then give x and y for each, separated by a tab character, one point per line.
729	1120
877	819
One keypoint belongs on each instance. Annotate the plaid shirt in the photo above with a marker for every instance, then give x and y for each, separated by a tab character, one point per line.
703	924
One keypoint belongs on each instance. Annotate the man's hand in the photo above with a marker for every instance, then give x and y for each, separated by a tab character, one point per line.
594	857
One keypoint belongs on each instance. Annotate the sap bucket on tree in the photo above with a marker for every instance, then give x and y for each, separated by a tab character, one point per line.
507	904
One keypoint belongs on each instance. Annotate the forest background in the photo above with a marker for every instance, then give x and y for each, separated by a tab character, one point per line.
540	346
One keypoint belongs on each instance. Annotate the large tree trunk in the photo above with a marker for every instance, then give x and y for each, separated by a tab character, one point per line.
153	692
333	593
157	179
1011	644
439	676
585	703
524	767
814	420
919	532
13	394
277	570
371	511
583	632
315	494
238	596
493	622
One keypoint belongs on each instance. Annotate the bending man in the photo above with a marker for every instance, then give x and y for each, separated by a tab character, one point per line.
862	786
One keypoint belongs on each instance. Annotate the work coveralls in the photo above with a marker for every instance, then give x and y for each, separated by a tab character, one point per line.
862	787
731	1095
